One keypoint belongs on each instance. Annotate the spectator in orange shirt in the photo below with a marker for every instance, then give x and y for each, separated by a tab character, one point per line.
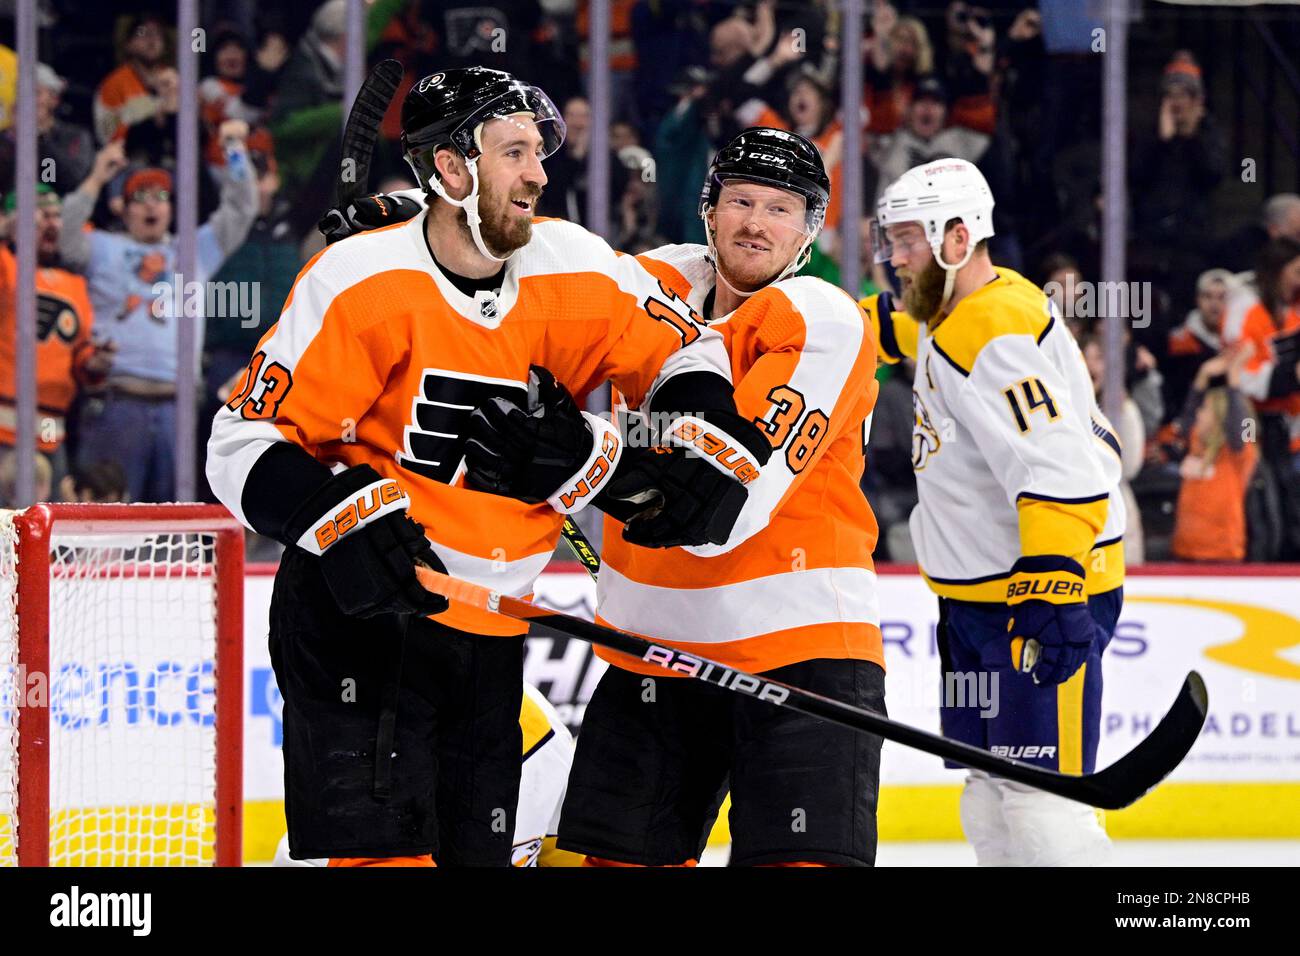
967	66
241	86
1210	520
1271	375
1200	337
66	358
901	53
127	94
810	112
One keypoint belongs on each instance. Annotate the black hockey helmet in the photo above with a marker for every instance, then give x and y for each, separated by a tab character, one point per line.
772	157
449	108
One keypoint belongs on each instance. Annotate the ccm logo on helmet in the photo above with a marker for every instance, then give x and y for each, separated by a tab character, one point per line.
691	434
378	499
1057	588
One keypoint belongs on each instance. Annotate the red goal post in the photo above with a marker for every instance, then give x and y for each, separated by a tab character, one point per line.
121	671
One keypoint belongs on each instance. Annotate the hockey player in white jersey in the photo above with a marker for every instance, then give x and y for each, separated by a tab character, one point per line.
1019	523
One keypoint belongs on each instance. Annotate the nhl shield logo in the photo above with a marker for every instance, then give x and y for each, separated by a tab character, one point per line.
487	306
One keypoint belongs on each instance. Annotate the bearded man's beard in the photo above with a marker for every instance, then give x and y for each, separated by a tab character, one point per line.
503	232
924	295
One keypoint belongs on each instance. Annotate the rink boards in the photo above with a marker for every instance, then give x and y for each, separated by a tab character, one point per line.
1241	631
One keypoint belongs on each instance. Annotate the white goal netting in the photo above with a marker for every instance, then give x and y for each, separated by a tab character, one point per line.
130	694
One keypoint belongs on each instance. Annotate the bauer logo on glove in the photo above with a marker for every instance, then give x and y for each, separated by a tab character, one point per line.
370	503
1050	629
713	444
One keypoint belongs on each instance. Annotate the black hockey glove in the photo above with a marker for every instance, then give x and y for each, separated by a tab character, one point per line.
548	451
1050	627
690	490
368	547
368	212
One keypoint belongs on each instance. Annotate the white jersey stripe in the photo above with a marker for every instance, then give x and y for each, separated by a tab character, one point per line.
738	611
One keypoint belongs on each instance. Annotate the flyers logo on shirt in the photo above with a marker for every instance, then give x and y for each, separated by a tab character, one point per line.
434	440
57	315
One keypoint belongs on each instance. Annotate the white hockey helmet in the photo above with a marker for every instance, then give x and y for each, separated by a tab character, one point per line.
932	194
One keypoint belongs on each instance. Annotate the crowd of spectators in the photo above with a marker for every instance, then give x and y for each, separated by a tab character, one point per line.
1210	417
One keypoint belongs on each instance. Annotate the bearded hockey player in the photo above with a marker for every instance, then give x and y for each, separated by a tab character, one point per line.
346	441
1019	523
790	593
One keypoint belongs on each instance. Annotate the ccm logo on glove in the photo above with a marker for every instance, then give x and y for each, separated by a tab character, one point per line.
715	445
605	453
369	504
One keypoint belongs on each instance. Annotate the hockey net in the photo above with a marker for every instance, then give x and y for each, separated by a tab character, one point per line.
120	685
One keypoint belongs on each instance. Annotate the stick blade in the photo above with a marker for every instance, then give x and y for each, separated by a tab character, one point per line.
362	129
1142	768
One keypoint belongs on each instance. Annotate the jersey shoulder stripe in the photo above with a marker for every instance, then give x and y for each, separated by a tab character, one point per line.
827	311
560	247
1009	305
682	267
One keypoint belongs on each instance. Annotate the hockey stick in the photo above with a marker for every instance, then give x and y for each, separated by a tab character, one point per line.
359	136
362	129
580	546
1117	786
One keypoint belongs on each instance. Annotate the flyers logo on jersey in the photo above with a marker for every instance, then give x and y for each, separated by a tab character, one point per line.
370	503
715	445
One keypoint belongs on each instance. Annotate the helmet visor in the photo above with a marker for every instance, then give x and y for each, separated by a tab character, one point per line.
527	107
523	105
906	236
791	209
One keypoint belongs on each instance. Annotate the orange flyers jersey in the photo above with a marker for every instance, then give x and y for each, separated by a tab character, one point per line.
63	323
796	580
121	100
378	359
1257	328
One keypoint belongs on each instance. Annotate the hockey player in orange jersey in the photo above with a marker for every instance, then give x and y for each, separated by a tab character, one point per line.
790	594
346	441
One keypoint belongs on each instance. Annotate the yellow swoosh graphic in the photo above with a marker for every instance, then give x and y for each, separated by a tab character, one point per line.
1265	632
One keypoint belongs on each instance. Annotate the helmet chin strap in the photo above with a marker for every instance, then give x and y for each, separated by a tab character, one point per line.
950	273
470	205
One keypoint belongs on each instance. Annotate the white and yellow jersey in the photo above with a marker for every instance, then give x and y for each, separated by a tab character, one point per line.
1011	453
547	756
